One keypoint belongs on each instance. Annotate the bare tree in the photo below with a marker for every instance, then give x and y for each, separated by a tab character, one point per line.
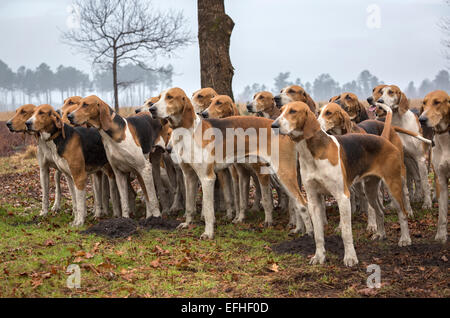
214	32
114	31
444	25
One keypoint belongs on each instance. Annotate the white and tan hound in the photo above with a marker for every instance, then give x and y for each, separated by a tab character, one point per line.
436	114
414	149
331	164
128	142
295	93
190	137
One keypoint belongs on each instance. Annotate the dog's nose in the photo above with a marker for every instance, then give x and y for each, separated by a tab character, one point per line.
370	100
169	148
8	124
28	124
275	124
381	101
153	110
205	114
137	111
423	119
249	107
278	100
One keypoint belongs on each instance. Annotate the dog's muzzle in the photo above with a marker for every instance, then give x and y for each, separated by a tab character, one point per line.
71	118
29	125
423	120
250	108
205	114
278	101
9	125
153	110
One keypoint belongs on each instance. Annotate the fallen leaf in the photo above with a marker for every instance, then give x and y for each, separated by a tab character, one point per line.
274	268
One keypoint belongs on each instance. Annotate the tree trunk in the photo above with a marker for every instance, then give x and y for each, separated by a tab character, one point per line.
214	32
116	90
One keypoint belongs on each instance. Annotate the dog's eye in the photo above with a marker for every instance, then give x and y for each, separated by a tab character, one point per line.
70	102
348	97
169	97
291	91
85	105
218	103
200	96
292	111
436	102
328	113
260	97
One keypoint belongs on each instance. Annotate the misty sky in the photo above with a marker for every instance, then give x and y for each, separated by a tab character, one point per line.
305	38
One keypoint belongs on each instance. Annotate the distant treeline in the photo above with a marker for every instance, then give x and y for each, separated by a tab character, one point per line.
43	85
324	86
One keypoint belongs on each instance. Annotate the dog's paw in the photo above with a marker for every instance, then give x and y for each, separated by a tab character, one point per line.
317	259
268	224
404	241
238	220
378	236
350	260
371	228
441	237
207	236
43	213
427	205
55	208
184	225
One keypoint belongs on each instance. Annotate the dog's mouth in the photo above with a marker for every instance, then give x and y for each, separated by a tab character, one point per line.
372	108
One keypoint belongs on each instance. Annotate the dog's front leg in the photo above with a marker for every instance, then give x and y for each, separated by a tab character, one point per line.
344	204
97	187
190	182
441	234
145	177
316	217
44	177
57	204
208	205
122	185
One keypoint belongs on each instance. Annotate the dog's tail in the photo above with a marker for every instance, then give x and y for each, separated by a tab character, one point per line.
413	134
387	123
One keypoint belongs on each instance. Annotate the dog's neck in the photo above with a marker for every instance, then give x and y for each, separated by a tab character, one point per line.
117	128
314	146
272	112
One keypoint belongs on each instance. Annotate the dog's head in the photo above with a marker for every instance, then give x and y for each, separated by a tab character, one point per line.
70	102
334	120
377	91
350	103
201	99
297	121
295	93
436	111
393	97
92	111
174	106
45	120
262	102
221	106
23	113
147	104
65	112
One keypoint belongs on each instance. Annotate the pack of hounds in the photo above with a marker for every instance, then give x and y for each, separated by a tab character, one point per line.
335	150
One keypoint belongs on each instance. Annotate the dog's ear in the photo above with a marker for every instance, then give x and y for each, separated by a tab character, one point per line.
362	112
163	121
58	122
311	104
105	115
311	125
403	104
347	122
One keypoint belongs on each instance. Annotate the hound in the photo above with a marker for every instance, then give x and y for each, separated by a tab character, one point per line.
295	93
351	104
128	143
77	152
222	106
402	117
201	99
331	164
45	160
334	120
190	137
264	105
436	114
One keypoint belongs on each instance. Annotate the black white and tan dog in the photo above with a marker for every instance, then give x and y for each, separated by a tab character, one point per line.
128	143
76	151
331	164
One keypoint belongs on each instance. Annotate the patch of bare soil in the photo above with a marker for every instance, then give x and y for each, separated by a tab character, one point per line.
113	228
159	223
124	227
